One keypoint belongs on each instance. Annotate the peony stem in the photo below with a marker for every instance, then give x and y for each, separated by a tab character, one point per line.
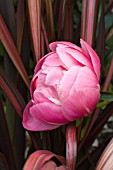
71	146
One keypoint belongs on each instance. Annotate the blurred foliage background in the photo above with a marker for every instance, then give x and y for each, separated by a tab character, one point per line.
26	29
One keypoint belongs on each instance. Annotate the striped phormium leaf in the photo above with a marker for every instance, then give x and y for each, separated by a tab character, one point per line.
89	20
35	24
50	20
106	159
6	149
20	20
12	93
12	50
3	162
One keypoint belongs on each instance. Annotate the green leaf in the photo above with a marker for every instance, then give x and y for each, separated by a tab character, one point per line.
102	104
79	122
107	96
84	130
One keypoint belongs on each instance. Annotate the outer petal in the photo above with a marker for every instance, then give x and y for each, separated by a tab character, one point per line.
63	44
86	79
38	81
52	60
33	84
31	123
80	103
39	97
94	57
39	64
49	112
67	82
71	57
67	59
41	61
43	84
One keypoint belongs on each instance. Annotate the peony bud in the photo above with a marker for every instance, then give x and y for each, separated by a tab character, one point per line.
65	86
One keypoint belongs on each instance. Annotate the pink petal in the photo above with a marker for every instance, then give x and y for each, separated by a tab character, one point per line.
48	92
50	165
94	57
67	59
33	84
86	78
31	123
48	112
80	57
63	44
80	103
53	77
45	94
38	82
39	64
39	97
52	60
41	61
62	167
67	82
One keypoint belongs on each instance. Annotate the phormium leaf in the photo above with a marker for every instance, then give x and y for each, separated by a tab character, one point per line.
12	51
35	23
20	19
5	144
106	159
13	94
3	162
107	96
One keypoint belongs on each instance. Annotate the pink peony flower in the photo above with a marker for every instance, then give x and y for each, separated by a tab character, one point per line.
65	86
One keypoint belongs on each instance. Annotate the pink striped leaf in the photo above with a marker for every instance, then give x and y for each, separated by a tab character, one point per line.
13	94
106	159
10	47
35	23
20	19
89	20
50	20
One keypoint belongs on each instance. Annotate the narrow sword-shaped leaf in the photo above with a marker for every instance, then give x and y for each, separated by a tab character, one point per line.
108	77
68	22
3	162
50	20
35	23
13	94
101	37
106	159
12	51
83	19
89	20
20	19
100	122
5	143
